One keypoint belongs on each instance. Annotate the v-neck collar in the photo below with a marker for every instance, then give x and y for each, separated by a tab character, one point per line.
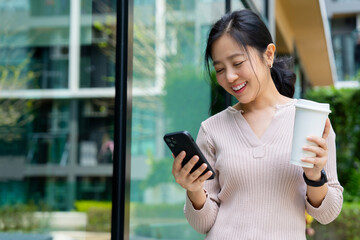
270	131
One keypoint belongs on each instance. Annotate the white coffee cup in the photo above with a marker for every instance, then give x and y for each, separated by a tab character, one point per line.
310	119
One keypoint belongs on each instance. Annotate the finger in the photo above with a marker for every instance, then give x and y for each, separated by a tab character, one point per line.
318	162
189	165
178	160
327	128
320	152
198	171
205	177
321	142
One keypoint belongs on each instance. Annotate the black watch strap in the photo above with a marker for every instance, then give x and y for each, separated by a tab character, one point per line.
319	183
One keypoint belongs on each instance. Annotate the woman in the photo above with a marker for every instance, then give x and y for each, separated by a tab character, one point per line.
257	193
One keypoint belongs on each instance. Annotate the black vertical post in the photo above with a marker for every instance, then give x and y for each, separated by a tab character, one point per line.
267	10
227	96
227	6
122	122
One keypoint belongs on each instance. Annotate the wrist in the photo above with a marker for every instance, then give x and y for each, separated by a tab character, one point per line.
197	198
196	192
318	182
314	177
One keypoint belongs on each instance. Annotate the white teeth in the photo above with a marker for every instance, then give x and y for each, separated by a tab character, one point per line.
239	87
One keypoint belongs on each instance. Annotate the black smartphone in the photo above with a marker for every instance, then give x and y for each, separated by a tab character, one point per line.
179	141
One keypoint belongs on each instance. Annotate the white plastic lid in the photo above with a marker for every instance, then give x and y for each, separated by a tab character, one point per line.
323	107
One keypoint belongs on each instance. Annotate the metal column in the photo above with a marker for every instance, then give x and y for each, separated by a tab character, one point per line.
122	130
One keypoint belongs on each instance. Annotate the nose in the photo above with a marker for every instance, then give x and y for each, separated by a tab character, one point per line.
231	76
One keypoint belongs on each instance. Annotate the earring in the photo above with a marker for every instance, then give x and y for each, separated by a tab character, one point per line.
271	65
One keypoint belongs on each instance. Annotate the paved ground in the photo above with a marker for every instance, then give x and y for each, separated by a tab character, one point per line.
79	235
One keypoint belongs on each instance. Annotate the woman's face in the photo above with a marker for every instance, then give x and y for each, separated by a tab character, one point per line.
235	72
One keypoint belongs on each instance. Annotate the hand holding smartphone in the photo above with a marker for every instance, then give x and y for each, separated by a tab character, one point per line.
182	141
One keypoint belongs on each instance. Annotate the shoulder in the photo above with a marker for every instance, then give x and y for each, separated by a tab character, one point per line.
219	119
218	126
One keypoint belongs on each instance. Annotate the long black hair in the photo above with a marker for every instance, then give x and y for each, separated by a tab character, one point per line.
249	30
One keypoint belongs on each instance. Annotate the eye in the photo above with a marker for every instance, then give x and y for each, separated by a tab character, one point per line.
219	70
238	63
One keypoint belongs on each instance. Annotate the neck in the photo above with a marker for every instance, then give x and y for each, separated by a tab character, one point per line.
265	100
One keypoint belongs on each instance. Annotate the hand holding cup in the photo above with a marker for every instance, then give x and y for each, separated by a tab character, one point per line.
310	120
321	154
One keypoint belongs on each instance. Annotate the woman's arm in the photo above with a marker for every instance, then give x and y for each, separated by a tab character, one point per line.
323	203
202	205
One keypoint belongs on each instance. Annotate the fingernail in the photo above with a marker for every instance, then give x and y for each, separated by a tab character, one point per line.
195	159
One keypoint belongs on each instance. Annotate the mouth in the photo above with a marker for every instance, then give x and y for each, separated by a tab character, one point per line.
238	88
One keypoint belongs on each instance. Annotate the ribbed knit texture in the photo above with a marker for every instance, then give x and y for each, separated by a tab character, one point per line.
257	192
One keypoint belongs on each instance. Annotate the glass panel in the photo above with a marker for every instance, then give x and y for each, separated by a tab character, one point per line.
346	42
97	62
237	5
34	44
96	146
260	6
170	93
56	149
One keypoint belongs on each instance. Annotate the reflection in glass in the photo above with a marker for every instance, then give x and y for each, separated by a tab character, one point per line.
236	5
170	93
55	137
34	44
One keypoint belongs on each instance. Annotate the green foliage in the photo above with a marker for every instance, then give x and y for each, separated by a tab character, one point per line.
99	220
160	172
142	210
98	215
345	119
19	217
84	206
186	99
161	221
346	226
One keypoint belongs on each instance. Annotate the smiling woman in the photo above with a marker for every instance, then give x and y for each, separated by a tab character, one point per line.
230	46
249	146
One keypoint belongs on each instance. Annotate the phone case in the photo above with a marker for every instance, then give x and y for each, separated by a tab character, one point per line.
179	141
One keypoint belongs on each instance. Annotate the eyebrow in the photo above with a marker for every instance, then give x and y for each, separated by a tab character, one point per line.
229	57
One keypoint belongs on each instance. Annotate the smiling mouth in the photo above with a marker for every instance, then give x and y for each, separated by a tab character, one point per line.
239	87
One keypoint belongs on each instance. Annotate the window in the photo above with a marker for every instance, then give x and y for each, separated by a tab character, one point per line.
170	93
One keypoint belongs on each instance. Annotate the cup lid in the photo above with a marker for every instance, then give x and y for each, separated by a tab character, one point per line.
303	103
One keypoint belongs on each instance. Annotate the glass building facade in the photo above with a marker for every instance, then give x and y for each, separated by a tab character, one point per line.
344	19
57	78
57	75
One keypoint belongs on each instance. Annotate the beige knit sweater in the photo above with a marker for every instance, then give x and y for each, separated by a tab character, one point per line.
257	192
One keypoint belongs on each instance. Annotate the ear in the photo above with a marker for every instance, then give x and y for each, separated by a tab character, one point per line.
270	54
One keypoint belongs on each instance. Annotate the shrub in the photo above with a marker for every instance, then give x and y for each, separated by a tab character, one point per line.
140	210
98	215
84	206
345	226
345	119
19	217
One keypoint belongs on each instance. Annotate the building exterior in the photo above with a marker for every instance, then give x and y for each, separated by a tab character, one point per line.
344	18
57	77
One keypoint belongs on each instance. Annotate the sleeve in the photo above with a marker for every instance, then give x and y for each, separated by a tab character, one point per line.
331	206
202	220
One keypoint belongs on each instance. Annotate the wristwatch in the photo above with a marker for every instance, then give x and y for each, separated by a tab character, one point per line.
319	183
